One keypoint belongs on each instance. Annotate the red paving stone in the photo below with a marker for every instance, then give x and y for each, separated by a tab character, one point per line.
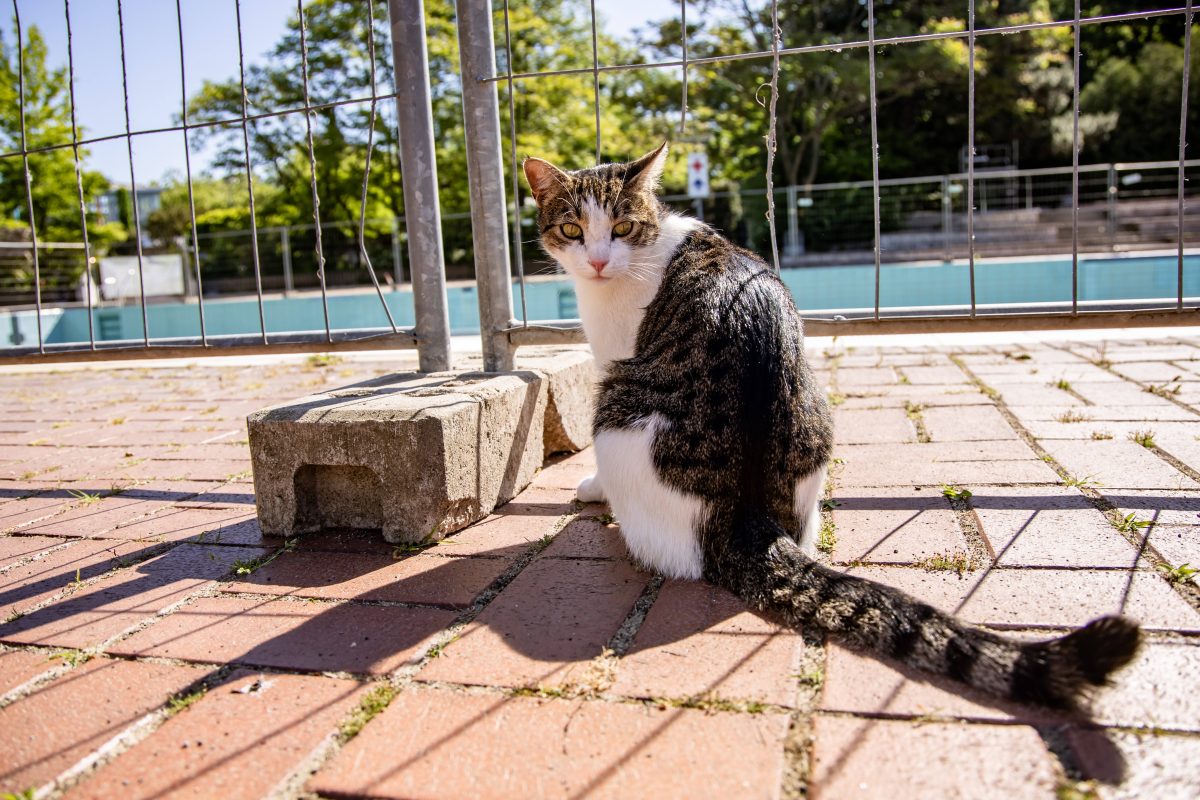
99	611
894	525
423	578
1118	464
20	666
698	640
45	734
1048	526
935	463
511	530
303	636
966	424
1044	597
545	627
943	760
16	548
210	750
872	426
416	749
1061	563
1138	765
588	537
210	525
33	582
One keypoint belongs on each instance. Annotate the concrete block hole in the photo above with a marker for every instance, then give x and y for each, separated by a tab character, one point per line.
341	496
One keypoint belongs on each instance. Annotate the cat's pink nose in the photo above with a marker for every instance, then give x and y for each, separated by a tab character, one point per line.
598	264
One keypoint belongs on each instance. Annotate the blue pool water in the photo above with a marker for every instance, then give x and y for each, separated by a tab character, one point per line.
815	289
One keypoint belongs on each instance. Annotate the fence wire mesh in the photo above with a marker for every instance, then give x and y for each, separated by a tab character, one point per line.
69	260
1107	206
807	230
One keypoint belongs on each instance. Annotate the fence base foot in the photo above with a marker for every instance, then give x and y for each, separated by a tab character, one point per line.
418	456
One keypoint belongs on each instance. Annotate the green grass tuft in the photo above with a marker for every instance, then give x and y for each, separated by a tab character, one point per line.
1144	438
1130	522
957	561
369	707
827	538
955	492
181	702
1183	572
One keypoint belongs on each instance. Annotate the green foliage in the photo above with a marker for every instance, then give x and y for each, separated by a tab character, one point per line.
47	122
372	703
181	702
1145	438
957	561
1130	523
1183	572
955	493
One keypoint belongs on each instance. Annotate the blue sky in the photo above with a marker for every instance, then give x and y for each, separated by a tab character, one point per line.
210	49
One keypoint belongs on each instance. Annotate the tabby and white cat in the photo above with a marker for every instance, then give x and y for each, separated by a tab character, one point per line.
712	436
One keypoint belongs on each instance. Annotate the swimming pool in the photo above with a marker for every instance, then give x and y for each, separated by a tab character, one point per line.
816	289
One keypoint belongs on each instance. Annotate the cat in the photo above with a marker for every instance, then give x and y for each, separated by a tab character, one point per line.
712	437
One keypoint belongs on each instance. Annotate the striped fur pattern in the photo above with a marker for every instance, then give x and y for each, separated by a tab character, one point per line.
709	426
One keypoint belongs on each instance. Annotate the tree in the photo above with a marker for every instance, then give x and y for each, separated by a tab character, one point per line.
555	120
47	122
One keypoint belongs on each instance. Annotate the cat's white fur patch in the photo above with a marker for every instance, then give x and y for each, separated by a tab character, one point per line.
806	504
612	309
658	523
590	490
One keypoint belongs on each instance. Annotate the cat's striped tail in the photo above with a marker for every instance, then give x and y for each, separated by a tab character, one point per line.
1058	673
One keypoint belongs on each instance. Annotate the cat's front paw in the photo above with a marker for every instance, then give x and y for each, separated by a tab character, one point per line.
589	490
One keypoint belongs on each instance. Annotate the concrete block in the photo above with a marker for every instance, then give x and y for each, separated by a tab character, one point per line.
416	455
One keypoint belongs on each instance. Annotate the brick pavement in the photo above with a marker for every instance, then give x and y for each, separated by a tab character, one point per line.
154	643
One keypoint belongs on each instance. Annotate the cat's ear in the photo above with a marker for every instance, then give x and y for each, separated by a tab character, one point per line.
645	172
543	177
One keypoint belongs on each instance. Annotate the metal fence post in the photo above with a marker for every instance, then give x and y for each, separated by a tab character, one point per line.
285	248
397	257
791	246
1112	207
418	164
947	217
485	172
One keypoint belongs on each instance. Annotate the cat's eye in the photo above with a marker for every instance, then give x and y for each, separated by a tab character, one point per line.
623	228
571	230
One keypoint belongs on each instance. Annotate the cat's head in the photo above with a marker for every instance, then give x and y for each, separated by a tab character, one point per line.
597	222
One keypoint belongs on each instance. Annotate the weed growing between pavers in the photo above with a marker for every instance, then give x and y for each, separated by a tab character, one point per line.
71	658
1130	522
710	703
374	702
1076	790
827	538
254	564
1183	572
1145	438
1165	390
954	492
1072	416
1101	436
181	702
439	648
319	360
956	561
1086	482
915	413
